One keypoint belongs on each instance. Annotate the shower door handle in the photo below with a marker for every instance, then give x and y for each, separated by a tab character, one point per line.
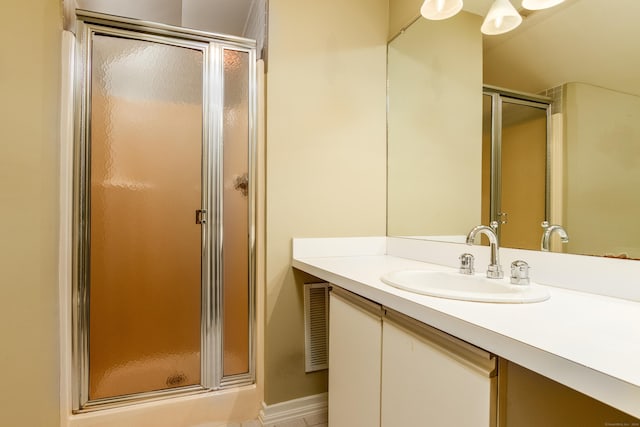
201	216
503	218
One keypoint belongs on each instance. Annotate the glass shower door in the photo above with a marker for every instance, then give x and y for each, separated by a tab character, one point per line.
164	212
145	260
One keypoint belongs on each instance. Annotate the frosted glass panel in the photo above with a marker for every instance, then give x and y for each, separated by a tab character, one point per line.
236	214
145	256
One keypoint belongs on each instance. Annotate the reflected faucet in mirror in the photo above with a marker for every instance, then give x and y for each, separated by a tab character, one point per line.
494	270
548	231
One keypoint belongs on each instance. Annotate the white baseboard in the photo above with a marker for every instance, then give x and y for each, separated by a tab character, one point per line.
293	410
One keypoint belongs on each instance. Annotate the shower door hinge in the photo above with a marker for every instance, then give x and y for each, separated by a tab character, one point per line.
201	216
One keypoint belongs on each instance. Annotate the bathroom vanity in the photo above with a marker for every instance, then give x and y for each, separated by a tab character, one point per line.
389	369
401	358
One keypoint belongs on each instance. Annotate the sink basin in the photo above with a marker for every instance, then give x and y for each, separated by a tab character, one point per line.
454	285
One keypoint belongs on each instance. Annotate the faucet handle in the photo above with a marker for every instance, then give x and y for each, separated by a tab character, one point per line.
466	263
519	273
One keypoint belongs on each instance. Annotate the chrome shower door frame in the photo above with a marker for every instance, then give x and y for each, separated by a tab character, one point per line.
212	47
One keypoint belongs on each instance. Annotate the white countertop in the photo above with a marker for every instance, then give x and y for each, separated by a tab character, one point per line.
588	342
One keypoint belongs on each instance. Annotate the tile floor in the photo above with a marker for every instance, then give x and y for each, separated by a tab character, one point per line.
319	420
313	420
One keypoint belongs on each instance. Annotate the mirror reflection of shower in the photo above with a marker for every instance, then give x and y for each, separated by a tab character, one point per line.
515	166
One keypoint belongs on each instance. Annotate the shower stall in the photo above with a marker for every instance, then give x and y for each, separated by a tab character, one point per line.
164	212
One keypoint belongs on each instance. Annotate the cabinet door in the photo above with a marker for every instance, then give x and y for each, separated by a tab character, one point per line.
432	379
355	333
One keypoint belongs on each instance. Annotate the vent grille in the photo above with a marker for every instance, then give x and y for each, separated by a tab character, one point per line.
316	326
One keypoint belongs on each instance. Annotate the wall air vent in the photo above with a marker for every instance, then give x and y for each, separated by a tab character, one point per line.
316	326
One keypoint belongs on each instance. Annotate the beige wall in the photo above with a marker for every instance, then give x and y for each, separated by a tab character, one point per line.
602	128
29	84
435	127
326	154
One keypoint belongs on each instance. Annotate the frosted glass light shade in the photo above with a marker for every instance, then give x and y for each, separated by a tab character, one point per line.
440	9
502	17
540	4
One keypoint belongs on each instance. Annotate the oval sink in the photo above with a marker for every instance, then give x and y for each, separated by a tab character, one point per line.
464	287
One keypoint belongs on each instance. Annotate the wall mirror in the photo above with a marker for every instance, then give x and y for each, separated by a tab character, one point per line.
583	57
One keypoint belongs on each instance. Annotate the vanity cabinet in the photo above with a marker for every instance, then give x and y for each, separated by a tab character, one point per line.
386	369
355	351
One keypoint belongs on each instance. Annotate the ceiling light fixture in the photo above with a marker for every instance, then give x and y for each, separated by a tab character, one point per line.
440	9
502	17
540	4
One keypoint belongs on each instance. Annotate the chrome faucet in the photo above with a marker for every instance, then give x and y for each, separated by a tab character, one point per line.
519	273
548	231
494	271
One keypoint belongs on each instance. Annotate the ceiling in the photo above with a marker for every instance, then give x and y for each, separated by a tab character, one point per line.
589	41
479	7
